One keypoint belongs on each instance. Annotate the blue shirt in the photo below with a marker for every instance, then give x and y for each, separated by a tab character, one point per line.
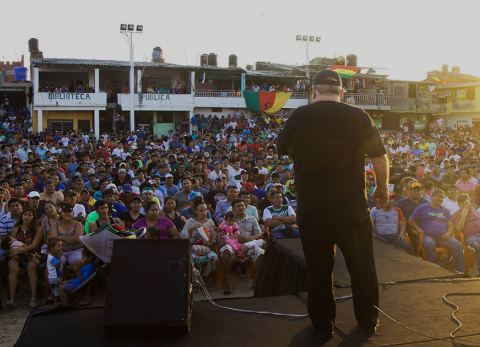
85	272
433	221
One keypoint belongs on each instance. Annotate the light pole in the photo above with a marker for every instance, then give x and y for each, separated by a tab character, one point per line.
307	39
128	30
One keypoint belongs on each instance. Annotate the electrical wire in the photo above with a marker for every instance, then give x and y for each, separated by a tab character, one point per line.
451	338
199	281
432	338
456	308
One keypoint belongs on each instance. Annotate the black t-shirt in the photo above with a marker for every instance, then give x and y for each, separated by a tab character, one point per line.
127	218
215	196
328	142
408	206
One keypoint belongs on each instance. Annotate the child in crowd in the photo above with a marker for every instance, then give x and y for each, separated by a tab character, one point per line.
86	271
152	233
54	268
229	232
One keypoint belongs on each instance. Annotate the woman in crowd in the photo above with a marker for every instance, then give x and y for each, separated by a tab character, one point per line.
25	242
201	231
49	219
153	219
170	212
69	231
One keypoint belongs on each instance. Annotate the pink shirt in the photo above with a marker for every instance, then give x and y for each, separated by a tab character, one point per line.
465	187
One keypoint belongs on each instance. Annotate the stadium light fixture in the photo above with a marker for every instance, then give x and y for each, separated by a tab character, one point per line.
128	30
307	39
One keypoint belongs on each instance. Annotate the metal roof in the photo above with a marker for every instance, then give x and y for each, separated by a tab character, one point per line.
124	64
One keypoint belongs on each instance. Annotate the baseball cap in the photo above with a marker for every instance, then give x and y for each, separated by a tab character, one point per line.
415	185
33	194
327	77
127	188
168	176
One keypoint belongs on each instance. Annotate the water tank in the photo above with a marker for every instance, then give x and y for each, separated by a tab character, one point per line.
340	60
157	55
20	73
351	60
232	60
212	59
445	68
204	59
33	45
456	69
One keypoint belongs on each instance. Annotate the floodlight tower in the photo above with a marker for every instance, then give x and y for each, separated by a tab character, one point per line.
307	39
128	30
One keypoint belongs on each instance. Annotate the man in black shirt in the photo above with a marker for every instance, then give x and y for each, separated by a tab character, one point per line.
328	141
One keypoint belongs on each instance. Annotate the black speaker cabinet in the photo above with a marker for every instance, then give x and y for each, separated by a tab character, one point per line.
150	284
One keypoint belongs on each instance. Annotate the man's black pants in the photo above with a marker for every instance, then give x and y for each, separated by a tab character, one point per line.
355	242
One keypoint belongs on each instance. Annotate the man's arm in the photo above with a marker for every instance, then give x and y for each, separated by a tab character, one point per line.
382	173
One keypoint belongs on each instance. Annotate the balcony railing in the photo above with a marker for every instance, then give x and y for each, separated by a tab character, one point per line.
367	99
464	105
299	95
219	93
238	94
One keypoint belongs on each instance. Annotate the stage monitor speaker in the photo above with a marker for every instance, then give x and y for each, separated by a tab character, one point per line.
150	284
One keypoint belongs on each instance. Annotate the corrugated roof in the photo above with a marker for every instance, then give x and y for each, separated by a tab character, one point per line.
124	64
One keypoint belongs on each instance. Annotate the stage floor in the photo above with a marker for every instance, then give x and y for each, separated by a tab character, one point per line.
211	326
417	305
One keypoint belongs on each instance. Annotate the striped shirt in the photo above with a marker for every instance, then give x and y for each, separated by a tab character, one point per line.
6	224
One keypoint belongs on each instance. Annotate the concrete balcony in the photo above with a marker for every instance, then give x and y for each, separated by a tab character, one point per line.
157	102
234	99
67	100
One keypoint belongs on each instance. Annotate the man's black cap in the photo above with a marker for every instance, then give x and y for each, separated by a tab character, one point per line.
327	77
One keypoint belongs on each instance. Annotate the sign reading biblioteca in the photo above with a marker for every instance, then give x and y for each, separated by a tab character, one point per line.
69	96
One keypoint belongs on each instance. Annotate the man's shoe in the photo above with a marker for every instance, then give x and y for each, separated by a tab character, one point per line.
323	335
370	330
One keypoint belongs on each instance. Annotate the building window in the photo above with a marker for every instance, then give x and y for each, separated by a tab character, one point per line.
217	109
59	124
164	117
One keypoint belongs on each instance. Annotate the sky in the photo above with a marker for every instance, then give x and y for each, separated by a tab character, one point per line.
403	39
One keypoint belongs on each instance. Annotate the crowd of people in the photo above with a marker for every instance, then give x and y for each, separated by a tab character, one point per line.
434	193
223	186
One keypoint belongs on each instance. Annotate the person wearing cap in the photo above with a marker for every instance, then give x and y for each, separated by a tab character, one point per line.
433	222
147	195
33	202
170	187
78	211
328	141
414	198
